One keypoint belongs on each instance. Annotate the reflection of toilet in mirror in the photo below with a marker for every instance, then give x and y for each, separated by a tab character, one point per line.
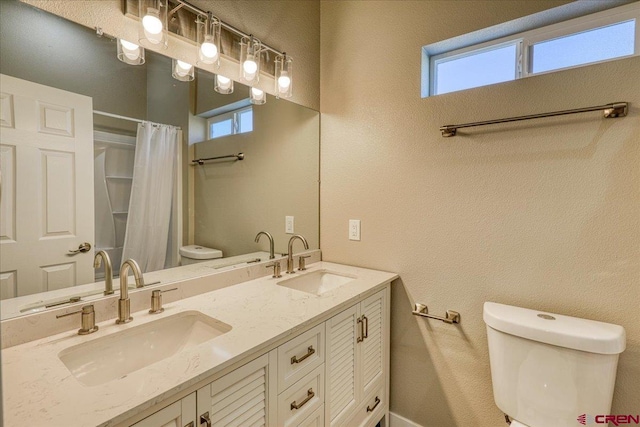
551	370
195	253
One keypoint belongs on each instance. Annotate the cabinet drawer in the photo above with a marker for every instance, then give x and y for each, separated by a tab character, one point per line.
300	400
371	410
314	420
301	355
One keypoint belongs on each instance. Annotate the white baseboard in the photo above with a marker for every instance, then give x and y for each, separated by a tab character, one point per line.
396	420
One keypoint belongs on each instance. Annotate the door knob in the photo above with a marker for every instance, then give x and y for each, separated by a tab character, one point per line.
84	247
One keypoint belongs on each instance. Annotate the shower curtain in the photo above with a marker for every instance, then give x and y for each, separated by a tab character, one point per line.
152	190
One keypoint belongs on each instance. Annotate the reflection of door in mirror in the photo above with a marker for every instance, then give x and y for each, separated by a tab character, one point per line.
46	150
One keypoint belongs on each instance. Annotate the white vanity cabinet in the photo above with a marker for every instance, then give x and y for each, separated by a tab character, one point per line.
245	397
179	414
357	363
334	374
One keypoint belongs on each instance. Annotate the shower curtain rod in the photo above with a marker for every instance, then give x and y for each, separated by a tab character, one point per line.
130	119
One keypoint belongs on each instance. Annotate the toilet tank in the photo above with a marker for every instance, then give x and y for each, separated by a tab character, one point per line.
548	369
195	253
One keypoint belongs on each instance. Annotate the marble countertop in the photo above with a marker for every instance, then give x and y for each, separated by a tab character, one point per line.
39	390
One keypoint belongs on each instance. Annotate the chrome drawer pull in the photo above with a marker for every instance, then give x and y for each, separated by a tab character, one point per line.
310	395
204	418
374	406
366	327
310	351
361	334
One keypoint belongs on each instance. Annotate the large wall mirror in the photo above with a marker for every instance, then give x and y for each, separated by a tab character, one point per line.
79	163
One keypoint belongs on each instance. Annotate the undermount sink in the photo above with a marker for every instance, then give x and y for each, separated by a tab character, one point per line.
117	355
317	282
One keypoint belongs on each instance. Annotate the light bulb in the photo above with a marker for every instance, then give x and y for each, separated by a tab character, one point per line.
151	22
130	50
284	81
223	82
209	50
182	68
257	93
250	66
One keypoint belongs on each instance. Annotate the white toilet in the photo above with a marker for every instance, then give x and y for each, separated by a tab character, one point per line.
195	253
549	370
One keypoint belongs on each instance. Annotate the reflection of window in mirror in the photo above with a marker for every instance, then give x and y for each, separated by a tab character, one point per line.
231	123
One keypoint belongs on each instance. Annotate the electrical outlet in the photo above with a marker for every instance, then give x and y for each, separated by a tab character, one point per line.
354	229
288	224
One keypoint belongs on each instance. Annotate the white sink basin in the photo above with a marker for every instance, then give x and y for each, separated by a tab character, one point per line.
119	354
317	282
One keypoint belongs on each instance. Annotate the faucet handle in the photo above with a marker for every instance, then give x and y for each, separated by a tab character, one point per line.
302	263
156	300
276	269
88	319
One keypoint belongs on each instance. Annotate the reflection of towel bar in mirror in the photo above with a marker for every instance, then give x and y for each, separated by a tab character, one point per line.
239	156
450	317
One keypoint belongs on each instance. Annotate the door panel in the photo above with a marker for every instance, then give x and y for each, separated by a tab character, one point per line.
372	367
340	361
46	170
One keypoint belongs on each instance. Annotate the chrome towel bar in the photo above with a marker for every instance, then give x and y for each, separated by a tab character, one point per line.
450	317
239	156
615	109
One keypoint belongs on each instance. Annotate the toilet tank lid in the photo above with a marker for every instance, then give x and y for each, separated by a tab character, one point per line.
200	252
555	329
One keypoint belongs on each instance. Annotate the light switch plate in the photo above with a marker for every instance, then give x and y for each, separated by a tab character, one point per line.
354	229
288	224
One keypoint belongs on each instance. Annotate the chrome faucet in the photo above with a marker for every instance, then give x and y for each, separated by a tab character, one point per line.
108	270
290	267
270	237
124	303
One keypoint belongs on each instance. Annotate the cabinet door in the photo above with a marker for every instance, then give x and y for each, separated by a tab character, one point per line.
372	349
243	398
179	414
341	380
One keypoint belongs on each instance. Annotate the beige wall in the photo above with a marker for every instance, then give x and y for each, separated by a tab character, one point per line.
541	214
289	25
279	176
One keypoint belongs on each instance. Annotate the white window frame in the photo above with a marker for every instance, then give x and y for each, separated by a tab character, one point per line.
525	40
472	50
235	121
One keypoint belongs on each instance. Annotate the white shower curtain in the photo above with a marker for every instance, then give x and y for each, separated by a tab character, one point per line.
152	189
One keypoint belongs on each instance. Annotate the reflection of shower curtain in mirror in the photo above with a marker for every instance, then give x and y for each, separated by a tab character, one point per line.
150	205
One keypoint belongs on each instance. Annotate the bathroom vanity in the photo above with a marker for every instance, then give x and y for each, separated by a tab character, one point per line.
307	349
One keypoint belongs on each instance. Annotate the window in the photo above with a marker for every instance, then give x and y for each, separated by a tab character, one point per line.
599	37
231	123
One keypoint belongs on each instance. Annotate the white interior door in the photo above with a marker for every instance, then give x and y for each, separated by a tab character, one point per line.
46	205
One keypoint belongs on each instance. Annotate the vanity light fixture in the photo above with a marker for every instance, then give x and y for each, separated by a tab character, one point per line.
153	25
284	76
130	53
257	96
250	55
182	71
208	40
222	84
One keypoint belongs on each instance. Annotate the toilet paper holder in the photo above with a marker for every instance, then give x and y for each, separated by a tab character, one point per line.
423	311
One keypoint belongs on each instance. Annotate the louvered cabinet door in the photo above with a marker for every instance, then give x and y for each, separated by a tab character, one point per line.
372	348
242	398
179	414
341	391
